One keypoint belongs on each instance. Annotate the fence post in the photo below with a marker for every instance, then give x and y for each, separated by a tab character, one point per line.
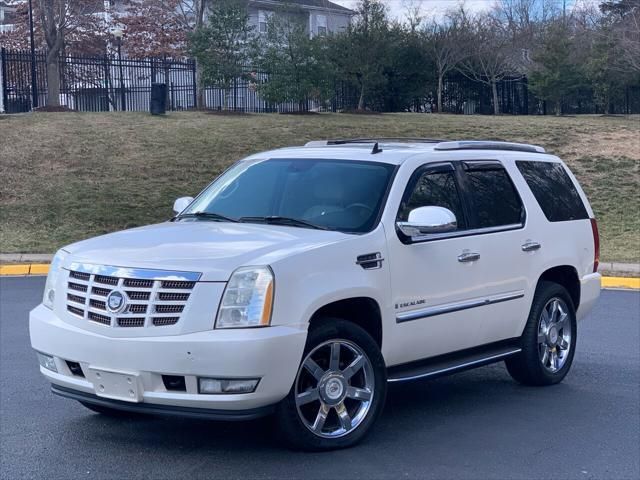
195	84
235	93
3	99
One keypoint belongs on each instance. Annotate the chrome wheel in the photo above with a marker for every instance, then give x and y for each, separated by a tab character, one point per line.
554	335
334	388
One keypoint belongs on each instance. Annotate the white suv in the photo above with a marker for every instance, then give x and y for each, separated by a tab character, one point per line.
303	280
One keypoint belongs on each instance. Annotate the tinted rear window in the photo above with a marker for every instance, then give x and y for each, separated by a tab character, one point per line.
495	201
554	191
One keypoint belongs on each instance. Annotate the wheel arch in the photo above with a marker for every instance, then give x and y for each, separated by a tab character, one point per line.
567	276
362	311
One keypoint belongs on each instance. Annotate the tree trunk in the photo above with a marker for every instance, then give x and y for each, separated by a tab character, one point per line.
440	82
53	79
200	105
361	99
494	90
558	107
167	80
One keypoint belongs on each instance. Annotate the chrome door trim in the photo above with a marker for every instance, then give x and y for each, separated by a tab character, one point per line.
456	367
456	307
138	273
466	233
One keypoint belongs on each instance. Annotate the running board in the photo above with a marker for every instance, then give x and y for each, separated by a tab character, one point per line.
453	362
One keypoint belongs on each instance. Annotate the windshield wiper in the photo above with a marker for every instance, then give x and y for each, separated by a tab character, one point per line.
208	216
278	220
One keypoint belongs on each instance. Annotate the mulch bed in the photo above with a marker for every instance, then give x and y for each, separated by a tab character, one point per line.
58	109
361	112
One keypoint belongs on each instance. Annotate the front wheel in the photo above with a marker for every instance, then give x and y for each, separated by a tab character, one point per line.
548	340
339	390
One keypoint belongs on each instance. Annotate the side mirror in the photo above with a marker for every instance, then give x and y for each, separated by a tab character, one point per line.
428	221
181	203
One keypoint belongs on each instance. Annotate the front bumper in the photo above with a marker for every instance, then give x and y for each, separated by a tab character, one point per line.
271	354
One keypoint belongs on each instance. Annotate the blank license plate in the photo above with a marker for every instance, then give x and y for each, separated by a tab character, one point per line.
116	385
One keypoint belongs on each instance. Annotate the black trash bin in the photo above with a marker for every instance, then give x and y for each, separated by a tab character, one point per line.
158	99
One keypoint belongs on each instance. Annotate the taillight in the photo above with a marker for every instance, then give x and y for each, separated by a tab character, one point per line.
596	245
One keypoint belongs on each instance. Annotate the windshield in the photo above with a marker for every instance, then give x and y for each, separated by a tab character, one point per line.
343	195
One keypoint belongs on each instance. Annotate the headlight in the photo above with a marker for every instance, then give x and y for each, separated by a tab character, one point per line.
248	299
52	279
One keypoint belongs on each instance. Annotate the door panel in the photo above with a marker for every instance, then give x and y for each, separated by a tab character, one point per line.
465	288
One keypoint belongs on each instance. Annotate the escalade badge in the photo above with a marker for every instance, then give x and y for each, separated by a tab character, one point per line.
116	301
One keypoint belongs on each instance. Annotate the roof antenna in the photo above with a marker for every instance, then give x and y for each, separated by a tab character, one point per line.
376	149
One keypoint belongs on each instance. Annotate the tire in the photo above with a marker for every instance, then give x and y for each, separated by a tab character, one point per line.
532	366
331	413
109	412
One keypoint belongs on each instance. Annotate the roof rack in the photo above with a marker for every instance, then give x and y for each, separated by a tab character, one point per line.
346	141
489	145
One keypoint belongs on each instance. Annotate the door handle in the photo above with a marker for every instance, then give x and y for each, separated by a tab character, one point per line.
468	257
530	246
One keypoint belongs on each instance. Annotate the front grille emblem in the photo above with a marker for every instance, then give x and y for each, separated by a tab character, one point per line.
116	301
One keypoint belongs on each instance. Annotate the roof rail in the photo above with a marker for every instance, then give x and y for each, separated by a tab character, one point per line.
345	141
489	145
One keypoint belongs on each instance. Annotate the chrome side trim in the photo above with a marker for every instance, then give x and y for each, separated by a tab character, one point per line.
455	307
139	273
456	367
466	233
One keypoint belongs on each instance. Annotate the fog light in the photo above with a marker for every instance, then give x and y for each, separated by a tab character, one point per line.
47	362
225	385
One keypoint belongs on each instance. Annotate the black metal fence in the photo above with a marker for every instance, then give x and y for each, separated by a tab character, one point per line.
108	83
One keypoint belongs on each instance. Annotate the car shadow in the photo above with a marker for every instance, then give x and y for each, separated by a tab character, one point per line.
415	407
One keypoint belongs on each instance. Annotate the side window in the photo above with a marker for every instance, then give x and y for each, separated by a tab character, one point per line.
494	200
434	188
555	192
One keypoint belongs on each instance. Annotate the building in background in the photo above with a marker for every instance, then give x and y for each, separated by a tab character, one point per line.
320	16
7	16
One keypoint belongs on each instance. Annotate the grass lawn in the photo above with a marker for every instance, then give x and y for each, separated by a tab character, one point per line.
69	176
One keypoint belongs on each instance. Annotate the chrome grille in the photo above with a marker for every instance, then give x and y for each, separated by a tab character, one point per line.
100	305
131	322
132	282
139	308
150	302
77	286
173	297
178	284
133	295
101	292
96	317
162	321
80	275
169	308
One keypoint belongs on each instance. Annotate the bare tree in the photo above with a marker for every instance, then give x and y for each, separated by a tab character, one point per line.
627	33
161	28
59	20
444	42
490	54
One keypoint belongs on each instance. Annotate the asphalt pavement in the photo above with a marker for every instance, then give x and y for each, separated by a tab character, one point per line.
477	424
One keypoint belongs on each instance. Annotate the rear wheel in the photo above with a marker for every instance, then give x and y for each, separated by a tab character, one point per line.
548	340
339	390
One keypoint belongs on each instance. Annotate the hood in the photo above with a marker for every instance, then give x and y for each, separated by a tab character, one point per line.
214	249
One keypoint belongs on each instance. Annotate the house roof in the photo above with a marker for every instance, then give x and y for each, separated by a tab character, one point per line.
313	4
